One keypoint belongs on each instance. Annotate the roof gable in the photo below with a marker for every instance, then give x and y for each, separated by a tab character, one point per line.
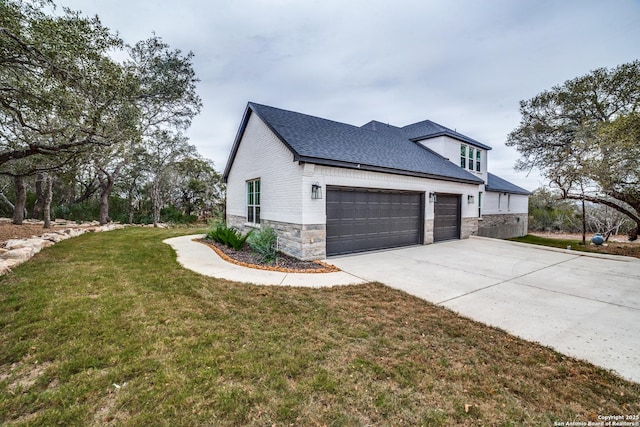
428	129
375	146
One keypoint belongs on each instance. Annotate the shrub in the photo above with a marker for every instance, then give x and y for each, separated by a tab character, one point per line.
264	244
228	236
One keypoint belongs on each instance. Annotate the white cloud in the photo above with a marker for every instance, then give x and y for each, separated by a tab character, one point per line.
462	63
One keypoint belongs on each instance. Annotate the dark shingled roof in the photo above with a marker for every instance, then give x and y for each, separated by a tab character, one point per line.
499	185
374	147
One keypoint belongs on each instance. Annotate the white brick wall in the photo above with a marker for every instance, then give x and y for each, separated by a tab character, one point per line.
518	203
262	155
450	148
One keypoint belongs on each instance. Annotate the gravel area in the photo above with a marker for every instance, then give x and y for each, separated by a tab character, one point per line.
25	231
282	261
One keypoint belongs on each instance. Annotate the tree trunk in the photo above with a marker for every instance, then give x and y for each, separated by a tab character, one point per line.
48	196
37	207
584	224
155	200
106	184
633	234
21	199
130	208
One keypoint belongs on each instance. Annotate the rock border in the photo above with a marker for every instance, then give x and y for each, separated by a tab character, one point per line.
324	267
19	251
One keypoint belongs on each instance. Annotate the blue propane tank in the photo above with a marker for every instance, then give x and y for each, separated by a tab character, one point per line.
597	239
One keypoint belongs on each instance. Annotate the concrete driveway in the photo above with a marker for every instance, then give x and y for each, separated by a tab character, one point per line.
583	305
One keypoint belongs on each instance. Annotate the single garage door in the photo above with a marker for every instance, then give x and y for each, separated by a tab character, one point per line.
446	222
366	219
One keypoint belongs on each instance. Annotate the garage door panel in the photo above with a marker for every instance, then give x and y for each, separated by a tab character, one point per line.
369	220
446	224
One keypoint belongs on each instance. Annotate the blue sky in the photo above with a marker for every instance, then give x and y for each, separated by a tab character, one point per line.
464	64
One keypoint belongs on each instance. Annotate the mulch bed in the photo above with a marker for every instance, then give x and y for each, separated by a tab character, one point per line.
284	263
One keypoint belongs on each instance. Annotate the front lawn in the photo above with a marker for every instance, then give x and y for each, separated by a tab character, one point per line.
107	329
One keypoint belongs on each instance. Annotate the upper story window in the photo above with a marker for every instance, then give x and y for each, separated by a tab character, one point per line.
470	158
253	201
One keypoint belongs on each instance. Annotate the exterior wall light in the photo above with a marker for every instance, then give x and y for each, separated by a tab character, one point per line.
316	191
433	198
470	199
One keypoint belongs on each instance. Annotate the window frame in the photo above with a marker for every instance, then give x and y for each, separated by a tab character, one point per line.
470	158
253	190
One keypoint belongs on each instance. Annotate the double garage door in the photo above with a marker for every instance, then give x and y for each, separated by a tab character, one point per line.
361	220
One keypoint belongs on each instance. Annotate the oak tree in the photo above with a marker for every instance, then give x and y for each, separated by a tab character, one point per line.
584	136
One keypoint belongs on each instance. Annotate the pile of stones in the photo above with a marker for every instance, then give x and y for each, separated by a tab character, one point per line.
17	251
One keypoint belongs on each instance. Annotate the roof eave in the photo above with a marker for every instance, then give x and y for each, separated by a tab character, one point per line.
243	125
452	135
236	142
495	190
373	168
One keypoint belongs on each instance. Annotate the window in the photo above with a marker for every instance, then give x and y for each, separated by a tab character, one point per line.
470	158
509	202
499	201
253	201
480	204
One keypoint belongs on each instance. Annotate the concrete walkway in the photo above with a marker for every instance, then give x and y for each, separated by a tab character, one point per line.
204	260
583	305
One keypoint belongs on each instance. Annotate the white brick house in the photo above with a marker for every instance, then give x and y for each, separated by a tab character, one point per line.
330	188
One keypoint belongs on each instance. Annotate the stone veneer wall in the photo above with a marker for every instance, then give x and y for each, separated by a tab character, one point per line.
502	226
428	231
306	242
469	227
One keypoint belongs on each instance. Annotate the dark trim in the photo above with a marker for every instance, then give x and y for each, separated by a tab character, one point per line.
423	204
243	125
493	190
236	142
370	168
372	189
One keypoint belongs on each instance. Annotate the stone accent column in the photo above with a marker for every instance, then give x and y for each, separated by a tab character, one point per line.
469	227
428	231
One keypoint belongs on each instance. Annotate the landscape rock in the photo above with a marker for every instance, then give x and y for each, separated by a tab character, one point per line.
15	244
17	251
20	253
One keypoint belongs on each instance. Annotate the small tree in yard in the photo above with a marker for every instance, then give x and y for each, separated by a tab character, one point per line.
584	136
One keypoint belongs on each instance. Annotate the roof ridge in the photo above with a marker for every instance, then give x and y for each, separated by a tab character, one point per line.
302	114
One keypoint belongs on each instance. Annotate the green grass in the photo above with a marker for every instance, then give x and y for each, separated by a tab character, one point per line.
611	248
554	243
107	329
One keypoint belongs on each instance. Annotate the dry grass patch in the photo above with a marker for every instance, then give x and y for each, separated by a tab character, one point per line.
201	351
631	249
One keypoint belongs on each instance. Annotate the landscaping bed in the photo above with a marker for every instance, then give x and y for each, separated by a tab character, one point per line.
282	262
